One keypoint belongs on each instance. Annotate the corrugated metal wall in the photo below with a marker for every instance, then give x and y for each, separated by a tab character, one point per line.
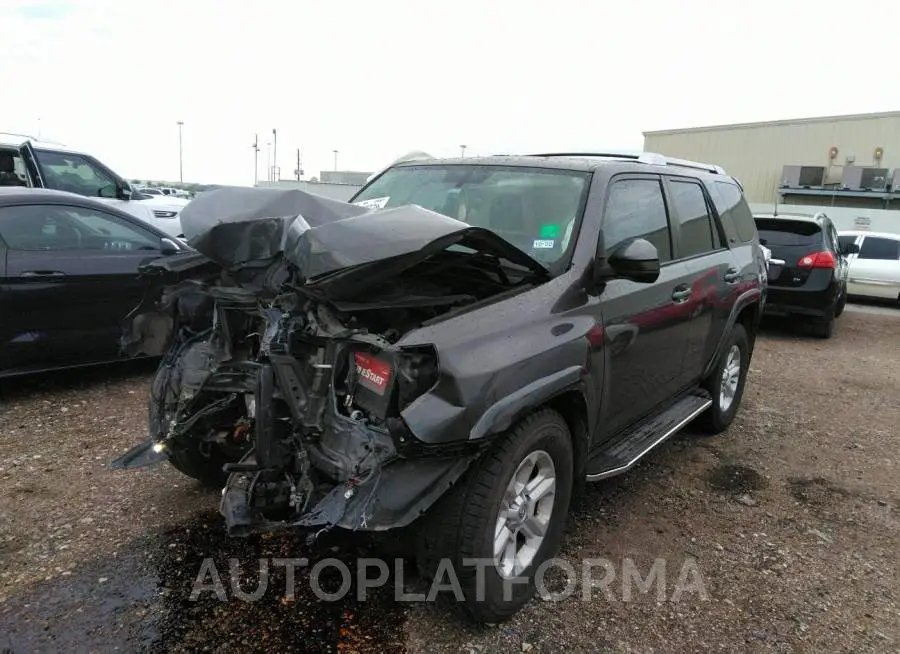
755	153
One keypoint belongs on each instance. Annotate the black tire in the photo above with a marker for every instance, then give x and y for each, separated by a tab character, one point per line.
462	524
204	467
842	302
824	328
717	419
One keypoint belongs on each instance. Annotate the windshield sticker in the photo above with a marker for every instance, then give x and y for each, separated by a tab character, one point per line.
543	244
550	231
373	203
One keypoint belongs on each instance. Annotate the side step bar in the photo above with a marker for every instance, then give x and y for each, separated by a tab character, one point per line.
620	454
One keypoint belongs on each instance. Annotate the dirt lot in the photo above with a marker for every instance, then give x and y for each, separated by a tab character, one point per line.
791	518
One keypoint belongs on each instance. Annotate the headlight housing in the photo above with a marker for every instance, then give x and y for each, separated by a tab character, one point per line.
417	373
160	213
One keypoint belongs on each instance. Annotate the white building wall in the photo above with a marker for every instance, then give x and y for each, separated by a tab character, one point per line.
756	152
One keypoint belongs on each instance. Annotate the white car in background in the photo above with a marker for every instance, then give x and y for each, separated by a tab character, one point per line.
875	269
25	161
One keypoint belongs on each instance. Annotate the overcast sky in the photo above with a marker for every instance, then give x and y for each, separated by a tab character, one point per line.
375	79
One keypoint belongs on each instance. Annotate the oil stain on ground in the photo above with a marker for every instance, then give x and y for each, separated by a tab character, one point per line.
817	491
140	600
735	479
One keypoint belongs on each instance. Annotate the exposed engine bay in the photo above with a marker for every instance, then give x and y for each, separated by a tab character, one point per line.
289	390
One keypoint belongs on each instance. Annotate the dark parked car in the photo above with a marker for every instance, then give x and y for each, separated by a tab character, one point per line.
457	353
809	278
68	277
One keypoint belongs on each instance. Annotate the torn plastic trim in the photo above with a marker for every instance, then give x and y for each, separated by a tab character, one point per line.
391	497
142	455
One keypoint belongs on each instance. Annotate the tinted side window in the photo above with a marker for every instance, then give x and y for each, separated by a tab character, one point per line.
733	210
635	209
74	173
689	208
844	241
880	248
57	227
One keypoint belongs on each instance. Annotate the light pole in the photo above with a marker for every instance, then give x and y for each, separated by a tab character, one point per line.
275	174
335	159
180	124
269	160
255	147
462	151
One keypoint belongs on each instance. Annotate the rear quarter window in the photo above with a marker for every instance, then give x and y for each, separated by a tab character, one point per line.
734	213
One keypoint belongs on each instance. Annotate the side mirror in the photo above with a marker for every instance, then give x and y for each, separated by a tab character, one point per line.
853	248
635	259
167	247
123	191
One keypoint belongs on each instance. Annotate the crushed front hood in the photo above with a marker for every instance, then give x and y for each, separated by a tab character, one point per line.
235	227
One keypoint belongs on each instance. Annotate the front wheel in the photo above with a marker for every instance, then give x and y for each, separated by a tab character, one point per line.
203	463
726	382
504	520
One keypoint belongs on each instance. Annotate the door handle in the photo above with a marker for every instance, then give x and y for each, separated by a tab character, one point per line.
681	294
732	276
42	273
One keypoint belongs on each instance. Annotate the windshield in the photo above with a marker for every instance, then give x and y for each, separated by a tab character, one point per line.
535	209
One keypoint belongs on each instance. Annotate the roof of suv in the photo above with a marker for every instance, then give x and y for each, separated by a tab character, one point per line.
583	161
11	140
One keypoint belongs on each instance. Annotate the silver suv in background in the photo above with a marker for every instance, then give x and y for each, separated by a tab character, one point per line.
25	161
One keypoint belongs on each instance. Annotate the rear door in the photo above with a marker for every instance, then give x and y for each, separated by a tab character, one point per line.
875	271
714	272
70	278
791	241
646	325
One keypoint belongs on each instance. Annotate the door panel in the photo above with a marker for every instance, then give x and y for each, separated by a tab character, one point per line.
875	270
69	306
70	279
647	328
714	273
645	331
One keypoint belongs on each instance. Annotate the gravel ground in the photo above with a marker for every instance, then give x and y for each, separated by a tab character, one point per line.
789	522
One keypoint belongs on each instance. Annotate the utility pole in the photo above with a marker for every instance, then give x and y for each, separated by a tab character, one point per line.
269	160
299	170
180	158
275	173
462	151
255	147
335	159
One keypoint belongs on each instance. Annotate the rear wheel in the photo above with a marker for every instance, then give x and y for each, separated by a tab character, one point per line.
726	382
509	513
824	328
842	302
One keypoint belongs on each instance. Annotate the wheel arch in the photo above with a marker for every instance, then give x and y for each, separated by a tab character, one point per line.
747	310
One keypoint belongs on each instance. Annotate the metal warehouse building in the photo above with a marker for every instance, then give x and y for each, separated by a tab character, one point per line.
846	161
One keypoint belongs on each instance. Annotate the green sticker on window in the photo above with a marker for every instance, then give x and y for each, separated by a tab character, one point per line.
550	231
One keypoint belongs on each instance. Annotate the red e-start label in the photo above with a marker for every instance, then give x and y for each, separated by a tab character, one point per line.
373	373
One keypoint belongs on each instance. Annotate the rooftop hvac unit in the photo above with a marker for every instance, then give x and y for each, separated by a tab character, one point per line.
802	176
862	178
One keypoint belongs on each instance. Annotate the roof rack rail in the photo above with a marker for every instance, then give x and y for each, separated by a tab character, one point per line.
641	157
31	137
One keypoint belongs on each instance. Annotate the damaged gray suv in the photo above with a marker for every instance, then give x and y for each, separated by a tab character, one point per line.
453	353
